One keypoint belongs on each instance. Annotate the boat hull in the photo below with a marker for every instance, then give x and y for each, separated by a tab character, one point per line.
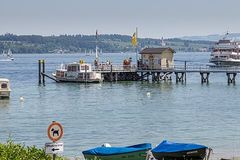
4	94
198	154
225	62
78	80
139	155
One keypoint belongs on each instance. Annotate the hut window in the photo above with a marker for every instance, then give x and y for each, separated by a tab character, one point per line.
4	85
159	61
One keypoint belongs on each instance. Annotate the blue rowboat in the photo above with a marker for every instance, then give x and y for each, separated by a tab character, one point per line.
135	152
179	151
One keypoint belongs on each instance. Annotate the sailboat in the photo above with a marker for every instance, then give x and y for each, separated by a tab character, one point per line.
7	56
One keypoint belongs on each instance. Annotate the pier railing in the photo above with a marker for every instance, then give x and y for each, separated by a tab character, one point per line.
115	68
105	68
193	68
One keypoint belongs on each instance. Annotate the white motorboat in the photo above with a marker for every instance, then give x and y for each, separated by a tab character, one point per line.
77	72
4	88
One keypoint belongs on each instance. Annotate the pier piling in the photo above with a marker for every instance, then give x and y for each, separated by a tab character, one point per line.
231	77
180	76
204	77
41	72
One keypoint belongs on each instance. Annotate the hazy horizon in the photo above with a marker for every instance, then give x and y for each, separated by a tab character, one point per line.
154	19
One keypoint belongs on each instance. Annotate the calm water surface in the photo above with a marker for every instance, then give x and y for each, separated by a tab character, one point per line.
120	113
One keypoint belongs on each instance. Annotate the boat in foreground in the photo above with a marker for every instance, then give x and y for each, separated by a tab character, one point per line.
4	88
77	72
179	151
135	152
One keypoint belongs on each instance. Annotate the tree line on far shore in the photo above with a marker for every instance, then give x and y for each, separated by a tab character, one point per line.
87	43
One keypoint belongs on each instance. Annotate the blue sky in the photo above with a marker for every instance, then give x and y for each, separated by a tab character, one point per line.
154	18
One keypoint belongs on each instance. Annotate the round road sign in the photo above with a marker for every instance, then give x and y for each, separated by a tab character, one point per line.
55	131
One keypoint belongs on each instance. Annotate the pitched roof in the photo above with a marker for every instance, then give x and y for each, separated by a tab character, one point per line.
155	50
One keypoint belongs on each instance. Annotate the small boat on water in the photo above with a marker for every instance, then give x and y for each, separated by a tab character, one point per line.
7	56
77	72
167	150
4	88
135	152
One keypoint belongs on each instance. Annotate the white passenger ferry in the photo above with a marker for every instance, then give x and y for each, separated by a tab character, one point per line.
77	72
226	52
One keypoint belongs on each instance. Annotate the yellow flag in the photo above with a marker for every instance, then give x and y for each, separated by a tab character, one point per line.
134	39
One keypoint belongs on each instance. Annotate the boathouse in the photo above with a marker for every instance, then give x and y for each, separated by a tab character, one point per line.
156	58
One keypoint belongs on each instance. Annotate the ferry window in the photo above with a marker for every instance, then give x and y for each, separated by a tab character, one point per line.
74	68
4	85
69	68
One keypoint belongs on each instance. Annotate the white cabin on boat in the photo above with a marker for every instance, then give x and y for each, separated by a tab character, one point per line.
4	88
77	72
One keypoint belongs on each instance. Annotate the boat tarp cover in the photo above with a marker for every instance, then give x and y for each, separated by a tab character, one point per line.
170	147
104	151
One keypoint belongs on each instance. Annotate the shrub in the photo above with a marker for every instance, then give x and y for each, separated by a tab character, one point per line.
12	151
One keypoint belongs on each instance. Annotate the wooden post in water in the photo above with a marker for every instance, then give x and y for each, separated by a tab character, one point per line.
39	72
185	67
43	71
111	74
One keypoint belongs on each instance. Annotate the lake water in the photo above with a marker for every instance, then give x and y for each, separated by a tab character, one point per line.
119	113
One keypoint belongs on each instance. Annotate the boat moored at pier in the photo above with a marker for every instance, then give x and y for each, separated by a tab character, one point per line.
77	72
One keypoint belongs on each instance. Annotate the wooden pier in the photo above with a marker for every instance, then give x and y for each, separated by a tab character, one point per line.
119	72
181	72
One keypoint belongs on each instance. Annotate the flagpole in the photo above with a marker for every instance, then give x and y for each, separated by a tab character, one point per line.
136	45
97	47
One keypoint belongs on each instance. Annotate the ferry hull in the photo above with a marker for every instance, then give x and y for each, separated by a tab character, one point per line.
225	62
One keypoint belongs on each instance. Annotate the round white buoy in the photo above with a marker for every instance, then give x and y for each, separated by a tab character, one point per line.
21	98
148	94
106	145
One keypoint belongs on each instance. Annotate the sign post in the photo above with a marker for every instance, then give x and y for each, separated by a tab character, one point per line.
55	133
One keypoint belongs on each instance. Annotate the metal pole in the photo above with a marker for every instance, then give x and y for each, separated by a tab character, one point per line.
136	45
54	156
39	72
85	73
